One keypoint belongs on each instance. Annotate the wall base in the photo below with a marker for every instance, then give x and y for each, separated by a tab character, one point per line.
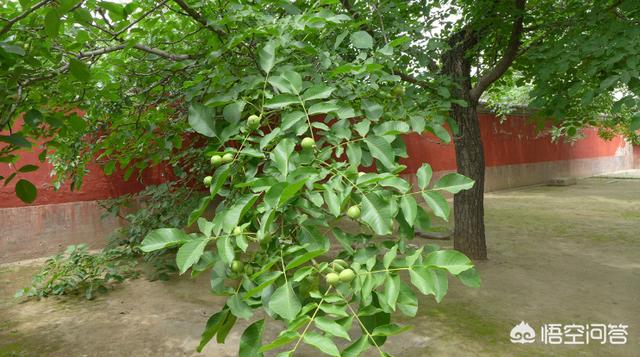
39	231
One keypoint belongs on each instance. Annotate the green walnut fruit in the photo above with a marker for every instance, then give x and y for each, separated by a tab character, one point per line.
237	266
248	269
353	212
332	278
308	143
237	231
216	160
346	275
207	181
398	91
253	121
226	158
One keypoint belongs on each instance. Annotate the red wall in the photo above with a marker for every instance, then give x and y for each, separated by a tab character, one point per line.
511	142
508	143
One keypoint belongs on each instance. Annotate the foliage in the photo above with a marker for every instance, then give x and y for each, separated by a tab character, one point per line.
175	83
155	206
77	271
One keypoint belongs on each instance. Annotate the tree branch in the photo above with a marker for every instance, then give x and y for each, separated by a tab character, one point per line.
21	16
510	54
356	16
198	17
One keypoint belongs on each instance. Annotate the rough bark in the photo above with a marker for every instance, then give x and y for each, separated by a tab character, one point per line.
468	206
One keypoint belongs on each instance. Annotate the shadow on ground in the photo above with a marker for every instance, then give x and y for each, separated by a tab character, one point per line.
557	255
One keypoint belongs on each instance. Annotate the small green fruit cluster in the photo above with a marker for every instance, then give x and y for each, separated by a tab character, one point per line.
354	212
345	276
237	266
308	143
253	122
207	181
217	160
340	274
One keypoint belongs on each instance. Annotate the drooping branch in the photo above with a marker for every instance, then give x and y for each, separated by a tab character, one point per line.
156	51
510	54
21	16
346	4
198	17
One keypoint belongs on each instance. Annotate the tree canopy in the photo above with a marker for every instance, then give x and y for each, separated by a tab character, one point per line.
276	106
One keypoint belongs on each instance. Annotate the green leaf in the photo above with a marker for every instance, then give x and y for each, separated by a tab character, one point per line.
377	213
409	208
268	279
331	327
392	290
251	340
267	56
322	343
225	249
80	70
470	278
301	259
290	191
26	191
190	253
52	22
373	110
361	39
453	183
389	257
318	92
234	214
211	329
407	300
424	174
390	330
198	211
233	112
295	81
16	140
323	107
238	307
201	119
451	260
354	154
438	204
423	222
381	150
285	303
429	281
284	339
635	122
281	101
163	238
28	168
281	154
357	348
441	133
332	201
291	119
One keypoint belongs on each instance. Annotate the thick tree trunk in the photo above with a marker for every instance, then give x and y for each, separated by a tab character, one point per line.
468	206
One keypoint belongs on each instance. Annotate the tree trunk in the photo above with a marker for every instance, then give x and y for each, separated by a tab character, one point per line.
468	206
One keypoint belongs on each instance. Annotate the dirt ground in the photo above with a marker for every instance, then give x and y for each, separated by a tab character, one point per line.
557	255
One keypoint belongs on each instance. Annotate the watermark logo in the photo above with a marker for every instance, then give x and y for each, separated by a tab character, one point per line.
522	333
571	334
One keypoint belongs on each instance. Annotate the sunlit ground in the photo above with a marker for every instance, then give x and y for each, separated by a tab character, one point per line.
568	255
